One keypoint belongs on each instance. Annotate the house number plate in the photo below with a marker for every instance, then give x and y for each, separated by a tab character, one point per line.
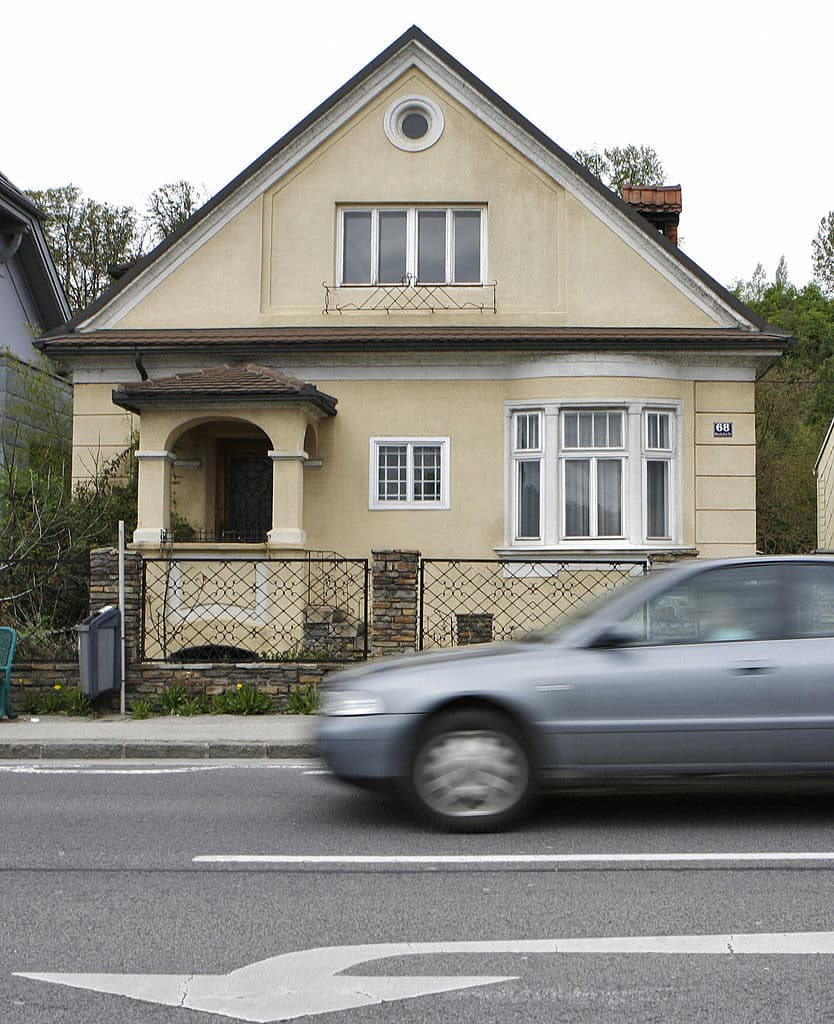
722	428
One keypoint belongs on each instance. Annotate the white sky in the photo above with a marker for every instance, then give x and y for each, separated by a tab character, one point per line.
735	96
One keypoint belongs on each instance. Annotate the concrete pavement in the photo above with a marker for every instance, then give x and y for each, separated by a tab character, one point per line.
197	736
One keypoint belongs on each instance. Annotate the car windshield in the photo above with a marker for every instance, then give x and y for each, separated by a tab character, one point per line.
583	610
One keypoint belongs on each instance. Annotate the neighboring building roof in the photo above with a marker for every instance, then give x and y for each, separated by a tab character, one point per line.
417	36
18	212
243	382
242	341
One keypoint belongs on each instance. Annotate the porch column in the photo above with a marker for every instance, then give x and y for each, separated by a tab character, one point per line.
287	499
154	505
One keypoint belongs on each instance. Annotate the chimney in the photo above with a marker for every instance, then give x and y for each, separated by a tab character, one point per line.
659	204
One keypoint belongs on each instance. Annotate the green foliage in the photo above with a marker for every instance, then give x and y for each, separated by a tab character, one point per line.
174	700
623	165
47	530
140	709
822	248
242	700
794	406
59	700
303	700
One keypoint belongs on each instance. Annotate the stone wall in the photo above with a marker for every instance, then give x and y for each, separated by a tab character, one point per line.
394	601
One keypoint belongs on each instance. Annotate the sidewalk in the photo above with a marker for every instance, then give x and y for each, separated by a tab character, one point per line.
198	736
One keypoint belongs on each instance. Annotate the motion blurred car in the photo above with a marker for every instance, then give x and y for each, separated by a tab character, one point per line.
705	669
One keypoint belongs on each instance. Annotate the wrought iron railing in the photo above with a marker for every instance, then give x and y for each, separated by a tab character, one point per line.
409	296
465	601
291	609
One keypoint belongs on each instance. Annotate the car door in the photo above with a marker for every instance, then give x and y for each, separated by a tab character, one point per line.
804	729
699	687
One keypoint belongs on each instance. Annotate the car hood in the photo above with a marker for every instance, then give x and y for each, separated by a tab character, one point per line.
417	662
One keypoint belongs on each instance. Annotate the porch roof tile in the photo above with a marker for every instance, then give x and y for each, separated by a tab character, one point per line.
240	382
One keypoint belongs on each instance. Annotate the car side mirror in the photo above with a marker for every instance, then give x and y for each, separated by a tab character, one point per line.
616	635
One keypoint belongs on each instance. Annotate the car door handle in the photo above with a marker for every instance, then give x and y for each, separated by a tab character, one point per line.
752	670
548	687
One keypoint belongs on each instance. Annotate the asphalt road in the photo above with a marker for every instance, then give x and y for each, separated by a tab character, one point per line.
98	877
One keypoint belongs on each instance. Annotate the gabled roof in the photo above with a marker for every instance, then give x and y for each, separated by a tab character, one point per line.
416	39
19	213
243	382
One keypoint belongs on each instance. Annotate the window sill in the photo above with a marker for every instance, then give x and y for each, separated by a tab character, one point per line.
611	552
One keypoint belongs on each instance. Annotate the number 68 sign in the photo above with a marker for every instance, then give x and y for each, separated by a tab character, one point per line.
722	428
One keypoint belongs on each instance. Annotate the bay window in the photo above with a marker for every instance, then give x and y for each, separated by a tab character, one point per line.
594	476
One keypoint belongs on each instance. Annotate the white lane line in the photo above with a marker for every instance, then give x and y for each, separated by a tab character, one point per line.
430	860
80	769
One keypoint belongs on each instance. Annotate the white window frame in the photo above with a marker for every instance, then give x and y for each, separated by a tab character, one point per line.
634	454
411	244
667	455
529	454
374	502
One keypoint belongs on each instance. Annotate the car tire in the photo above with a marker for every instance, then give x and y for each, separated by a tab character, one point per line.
470	772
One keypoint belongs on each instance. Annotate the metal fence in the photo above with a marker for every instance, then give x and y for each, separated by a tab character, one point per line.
466	601
292	609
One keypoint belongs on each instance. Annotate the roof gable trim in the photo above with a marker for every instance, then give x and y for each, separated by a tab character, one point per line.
525	137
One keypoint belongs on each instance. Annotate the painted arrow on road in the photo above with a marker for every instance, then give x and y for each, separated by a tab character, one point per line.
309	982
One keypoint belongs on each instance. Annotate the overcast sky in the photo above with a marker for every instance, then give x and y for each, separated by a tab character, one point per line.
735	96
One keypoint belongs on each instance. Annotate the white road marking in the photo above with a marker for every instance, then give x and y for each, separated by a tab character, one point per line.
309	981
80	769
439	860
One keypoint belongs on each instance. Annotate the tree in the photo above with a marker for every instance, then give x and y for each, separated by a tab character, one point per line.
794	406
86	237
822	248
47	529
170	206
623	165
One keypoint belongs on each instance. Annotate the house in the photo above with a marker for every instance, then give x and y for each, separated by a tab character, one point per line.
416	322
31	300
824	473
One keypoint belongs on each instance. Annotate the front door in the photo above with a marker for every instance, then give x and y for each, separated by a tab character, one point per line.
247	495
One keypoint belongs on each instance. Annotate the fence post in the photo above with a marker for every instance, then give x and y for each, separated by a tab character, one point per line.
104	590
394	602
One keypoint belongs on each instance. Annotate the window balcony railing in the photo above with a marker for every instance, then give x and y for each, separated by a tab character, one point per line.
409	297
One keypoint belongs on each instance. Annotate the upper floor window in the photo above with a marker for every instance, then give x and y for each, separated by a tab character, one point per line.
422	245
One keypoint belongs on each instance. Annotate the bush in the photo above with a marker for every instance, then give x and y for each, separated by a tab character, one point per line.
304	700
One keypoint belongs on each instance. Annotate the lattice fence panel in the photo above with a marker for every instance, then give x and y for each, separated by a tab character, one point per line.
469	601
255	609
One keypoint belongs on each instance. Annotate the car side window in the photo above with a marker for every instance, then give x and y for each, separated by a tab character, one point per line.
741	602
811	608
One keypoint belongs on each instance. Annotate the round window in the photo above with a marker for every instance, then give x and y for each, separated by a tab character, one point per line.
413	123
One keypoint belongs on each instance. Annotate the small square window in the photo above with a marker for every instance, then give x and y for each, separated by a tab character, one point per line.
409	472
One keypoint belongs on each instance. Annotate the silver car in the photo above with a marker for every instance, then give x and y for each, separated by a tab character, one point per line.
705	669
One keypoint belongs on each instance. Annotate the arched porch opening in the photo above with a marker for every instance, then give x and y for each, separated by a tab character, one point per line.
222	483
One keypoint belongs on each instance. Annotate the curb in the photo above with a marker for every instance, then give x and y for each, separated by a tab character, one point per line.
136	751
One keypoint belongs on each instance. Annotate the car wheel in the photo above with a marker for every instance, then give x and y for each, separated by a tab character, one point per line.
470	772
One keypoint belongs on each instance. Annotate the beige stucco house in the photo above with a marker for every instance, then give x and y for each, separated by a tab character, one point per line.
824	473
416	322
